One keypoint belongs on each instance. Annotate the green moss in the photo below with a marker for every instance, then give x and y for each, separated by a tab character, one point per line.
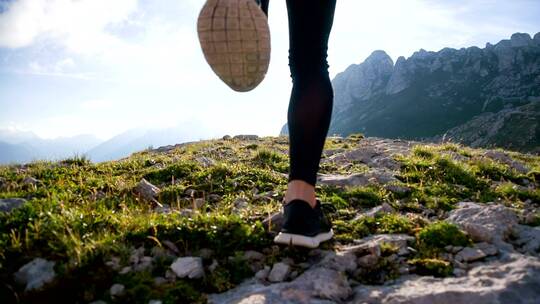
449	147
138	287
270	159
439	182
227	178
493	170
222	233
438	196
512	192
336	200
175	171
267	157
356	136
348	230
183	292
77	160
383	271
219	280
439	169
534	175
171	194
251	147
388	249
455	173
423	152
389	223
535	219
431	267
238	268
432	239
369	196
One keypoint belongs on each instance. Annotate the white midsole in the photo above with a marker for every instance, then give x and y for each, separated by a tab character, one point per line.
302	240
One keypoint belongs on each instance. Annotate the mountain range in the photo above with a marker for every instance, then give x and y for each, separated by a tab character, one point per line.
482	97
23	146
138	139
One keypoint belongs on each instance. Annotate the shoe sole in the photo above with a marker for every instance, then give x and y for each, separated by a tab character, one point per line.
302	240
235	39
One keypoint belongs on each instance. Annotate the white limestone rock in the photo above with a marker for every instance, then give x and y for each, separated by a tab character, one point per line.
146	190
188	267
35	274
279	272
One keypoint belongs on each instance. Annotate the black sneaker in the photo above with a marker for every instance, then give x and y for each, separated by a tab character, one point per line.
303	225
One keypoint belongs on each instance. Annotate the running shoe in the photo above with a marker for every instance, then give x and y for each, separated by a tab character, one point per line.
303	225
235	39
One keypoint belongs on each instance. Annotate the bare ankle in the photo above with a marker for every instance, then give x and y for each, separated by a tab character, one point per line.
299	189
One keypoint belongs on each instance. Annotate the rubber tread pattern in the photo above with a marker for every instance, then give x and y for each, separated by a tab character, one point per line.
235	40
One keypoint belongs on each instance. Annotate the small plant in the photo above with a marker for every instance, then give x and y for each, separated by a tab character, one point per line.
356	136
369	196
493	170
336	200
270	159
77	160
512	192
219	280
252	147
389	223
388	249
535	219
173	172
348	230
432	239
423	152
433	267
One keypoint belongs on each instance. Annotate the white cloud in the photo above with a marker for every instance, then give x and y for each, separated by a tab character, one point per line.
97	32
54	69
80	25
97	104
64	64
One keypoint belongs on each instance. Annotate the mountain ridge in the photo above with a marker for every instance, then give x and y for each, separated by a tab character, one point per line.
428	94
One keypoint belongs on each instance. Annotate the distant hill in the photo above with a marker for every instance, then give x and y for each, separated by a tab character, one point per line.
481	97
14	153
135	140
24	146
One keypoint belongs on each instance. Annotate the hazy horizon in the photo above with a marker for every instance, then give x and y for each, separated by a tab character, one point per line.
100	68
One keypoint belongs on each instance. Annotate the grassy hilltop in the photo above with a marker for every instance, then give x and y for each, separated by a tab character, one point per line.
98	228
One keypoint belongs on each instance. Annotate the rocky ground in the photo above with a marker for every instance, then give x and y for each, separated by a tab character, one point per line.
193	223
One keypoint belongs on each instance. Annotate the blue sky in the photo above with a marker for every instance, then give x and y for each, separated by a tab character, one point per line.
102	67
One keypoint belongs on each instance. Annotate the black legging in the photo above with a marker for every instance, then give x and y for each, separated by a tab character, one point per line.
312	97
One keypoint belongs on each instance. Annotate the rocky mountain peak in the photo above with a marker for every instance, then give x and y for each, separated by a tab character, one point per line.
421	54
520	39
379	57
364	80
431	93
